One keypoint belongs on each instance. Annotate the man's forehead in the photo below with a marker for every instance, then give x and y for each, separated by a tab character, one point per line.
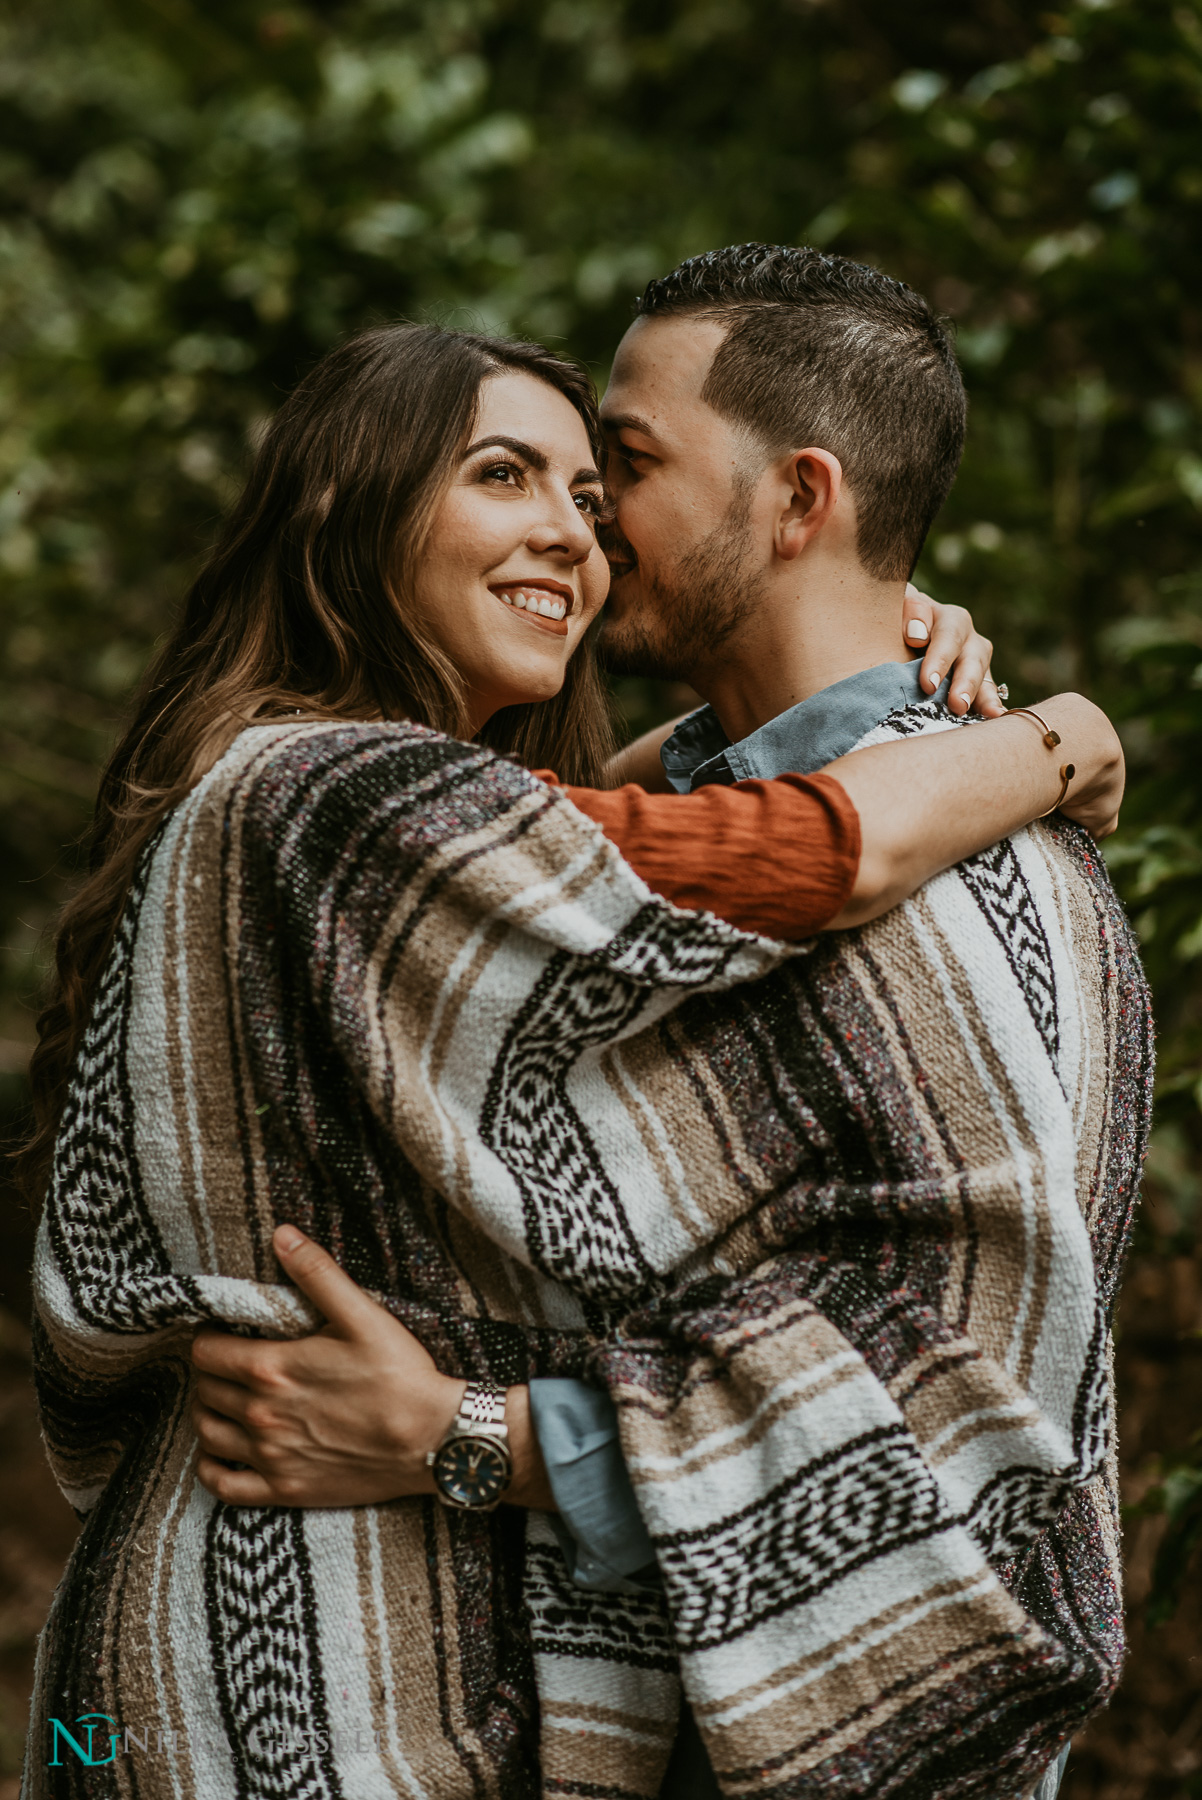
659	371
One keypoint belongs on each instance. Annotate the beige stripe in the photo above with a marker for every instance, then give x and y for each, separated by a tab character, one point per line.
972	1429
159	1534
914	1371
1000	1277
178	1071
981	1385
919	1095
625	1089
850	1641
862	1711
383	1677
734	1401
702	1420
411	1657
723	1172
257	1200
239	1215
1097	997
646	1724
411	1689
611	1764
873	1682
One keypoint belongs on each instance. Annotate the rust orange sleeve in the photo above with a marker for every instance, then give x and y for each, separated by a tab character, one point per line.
778	857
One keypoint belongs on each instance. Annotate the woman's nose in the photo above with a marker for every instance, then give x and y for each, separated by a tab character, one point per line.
567	529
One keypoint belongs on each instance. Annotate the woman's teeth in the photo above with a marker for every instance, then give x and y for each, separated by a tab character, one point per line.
534	600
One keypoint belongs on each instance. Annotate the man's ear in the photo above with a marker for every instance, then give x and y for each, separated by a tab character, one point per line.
813	480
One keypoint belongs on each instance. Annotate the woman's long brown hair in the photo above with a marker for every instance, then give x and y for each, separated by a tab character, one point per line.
303	605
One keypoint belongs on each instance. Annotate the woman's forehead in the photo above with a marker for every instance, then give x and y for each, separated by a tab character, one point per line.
515	405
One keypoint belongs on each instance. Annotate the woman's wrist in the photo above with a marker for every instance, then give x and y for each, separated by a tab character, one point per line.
1090	745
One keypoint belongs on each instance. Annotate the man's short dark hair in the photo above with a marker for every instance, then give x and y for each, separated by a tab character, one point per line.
827	352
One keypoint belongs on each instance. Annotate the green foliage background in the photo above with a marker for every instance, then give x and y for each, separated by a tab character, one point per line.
198	196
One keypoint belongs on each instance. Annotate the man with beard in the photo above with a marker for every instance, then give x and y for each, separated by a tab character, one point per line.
784	427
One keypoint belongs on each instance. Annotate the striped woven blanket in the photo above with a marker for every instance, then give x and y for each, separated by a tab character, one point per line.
840	1230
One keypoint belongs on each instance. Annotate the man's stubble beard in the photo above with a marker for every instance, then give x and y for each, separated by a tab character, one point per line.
685	618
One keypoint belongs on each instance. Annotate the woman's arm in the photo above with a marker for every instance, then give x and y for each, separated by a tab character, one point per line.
787	858
929	802
777	857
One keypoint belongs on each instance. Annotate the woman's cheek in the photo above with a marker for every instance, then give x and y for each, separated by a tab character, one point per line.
596	585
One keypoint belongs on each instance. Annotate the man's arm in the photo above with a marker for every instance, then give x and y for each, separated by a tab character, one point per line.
342	1418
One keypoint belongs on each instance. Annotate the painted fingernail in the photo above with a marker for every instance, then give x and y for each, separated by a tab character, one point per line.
916	631
288	1238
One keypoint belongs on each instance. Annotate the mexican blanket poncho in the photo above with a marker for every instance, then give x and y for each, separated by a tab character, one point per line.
840	1229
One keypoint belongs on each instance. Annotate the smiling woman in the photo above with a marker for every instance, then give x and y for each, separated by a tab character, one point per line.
511	575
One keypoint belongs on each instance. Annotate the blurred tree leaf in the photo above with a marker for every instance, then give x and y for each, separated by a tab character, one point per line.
1178	1496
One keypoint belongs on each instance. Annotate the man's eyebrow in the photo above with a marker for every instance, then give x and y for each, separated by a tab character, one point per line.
534	457
627	422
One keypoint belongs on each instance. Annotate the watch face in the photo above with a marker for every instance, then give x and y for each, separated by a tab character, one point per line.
472	1471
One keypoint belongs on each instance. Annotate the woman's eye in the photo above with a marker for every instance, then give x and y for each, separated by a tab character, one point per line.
504	474
593	504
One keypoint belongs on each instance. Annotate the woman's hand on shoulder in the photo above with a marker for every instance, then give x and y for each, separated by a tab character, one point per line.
955	648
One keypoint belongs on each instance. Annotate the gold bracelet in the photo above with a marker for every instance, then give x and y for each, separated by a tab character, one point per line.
1067	772
1051	738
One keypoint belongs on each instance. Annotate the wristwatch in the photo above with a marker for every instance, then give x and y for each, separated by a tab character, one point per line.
472	1465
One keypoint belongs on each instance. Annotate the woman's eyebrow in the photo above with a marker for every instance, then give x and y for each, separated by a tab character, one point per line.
534	457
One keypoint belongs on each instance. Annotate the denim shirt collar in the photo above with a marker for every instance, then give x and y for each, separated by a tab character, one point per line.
807	737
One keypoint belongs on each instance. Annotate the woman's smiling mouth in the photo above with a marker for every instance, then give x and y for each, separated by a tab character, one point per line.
541	604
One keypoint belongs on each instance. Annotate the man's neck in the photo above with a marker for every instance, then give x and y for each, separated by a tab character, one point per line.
786	653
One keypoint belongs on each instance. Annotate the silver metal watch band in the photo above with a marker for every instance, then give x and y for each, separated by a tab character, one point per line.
482	1404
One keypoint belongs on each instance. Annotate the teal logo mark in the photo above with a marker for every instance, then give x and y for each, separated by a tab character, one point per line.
88	1722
